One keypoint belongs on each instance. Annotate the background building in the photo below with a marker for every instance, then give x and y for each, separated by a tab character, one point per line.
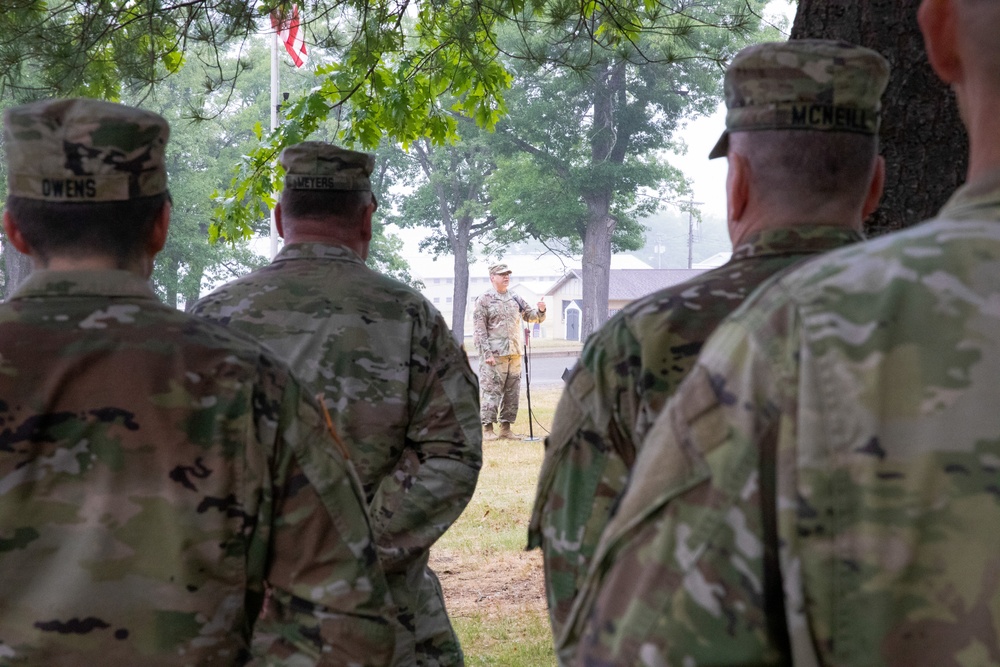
546	277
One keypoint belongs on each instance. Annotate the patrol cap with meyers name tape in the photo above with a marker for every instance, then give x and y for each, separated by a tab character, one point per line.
318	165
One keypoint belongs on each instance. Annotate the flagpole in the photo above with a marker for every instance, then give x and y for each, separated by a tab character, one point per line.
274	126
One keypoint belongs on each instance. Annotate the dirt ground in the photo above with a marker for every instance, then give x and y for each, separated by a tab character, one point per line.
503	584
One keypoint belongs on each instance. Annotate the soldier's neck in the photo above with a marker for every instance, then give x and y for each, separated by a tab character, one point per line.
91	263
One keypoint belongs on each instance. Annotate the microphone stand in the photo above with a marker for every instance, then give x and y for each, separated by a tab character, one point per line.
527	381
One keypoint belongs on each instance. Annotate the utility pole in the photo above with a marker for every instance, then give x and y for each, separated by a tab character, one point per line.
274	124
691	205
659	249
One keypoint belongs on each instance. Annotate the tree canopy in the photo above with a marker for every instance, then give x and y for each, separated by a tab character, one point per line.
421	71
579	158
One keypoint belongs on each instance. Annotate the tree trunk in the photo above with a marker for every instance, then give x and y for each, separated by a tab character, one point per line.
922	137
17	267
460	295
604	141
596	265
191	293
170	283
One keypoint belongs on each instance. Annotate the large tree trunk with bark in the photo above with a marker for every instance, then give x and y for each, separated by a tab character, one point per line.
596	264
922	137
605	146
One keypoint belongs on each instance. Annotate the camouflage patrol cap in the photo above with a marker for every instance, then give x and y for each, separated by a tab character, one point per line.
499	269
317	165
83	150
803	84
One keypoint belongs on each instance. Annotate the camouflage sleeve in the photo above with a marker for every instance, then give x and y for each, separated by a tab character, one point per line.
689	544
587	457
480	334
437	476
329	600
529	314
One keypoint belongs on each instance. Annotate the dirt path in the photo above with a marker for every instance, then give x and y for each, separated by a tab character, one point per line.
505	583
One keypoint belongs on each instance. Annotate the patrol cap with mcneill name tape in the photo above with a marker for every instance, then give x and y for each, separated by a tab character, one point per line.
803	84
83	150
318	165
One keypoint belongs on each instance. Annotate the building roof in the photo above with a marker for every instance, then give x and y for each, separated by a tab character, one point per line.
715	261
531	266
631	284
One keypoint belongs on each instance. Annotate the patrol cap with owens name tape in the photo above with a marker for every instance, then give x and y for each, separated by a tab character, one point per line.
84	150
318	165
803	84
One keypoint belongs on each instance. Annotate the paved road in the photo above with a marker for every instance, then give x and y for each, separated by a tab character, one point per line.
545	371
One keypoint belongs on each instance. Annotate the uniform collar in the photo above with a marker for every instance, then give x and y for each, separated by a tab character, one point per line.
976	200
114	283
796	240
317	250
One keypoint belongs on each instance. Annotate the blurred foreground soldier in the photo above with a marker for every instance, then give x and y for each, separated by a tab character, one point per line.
156	471
824	488
497	334
802	177
397	386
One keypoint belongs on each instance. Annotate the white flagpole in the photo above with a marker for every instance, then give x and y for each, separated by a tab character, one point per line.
274	126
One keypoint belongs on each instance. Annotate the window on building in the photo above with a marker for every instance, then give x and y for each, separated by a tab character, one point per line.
437	299
448	300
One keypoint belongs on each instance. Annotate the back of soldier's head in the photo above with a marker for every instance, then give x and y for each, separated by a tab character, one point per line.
805	114
85	177
324	181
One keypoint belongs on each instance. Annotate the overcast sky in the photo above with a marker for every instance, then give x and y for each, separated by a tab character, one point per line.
708	176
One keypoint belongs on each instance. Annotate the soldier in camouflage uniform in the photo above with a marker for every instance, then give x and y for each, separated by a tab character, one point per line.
157	473
399	389
497	332
793	191
823	488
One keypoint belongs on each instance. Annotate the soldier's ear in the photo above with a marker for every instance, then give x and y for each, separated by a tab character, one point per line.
14	234
366	221
279	222
158	235
737	187
874	188
938	24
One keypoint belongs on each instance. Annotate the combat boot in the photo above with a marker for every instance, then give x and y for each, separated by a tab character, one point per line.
488	433
505	432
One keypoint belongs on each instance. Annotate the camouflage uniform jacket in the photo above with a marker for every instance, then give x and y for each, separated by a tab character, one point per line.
847	413
626	372
398	387
155	472
496	323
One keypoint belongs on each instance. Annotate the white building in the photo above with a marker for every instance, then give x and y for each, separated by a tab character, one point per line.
624	287
532	278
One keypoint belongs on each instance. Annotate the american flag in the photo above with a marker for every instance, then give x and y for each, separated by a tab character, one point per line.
290	33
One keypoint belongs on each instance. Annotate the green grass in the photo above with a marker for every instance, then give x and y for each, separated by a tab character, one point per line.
493	588
517	640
